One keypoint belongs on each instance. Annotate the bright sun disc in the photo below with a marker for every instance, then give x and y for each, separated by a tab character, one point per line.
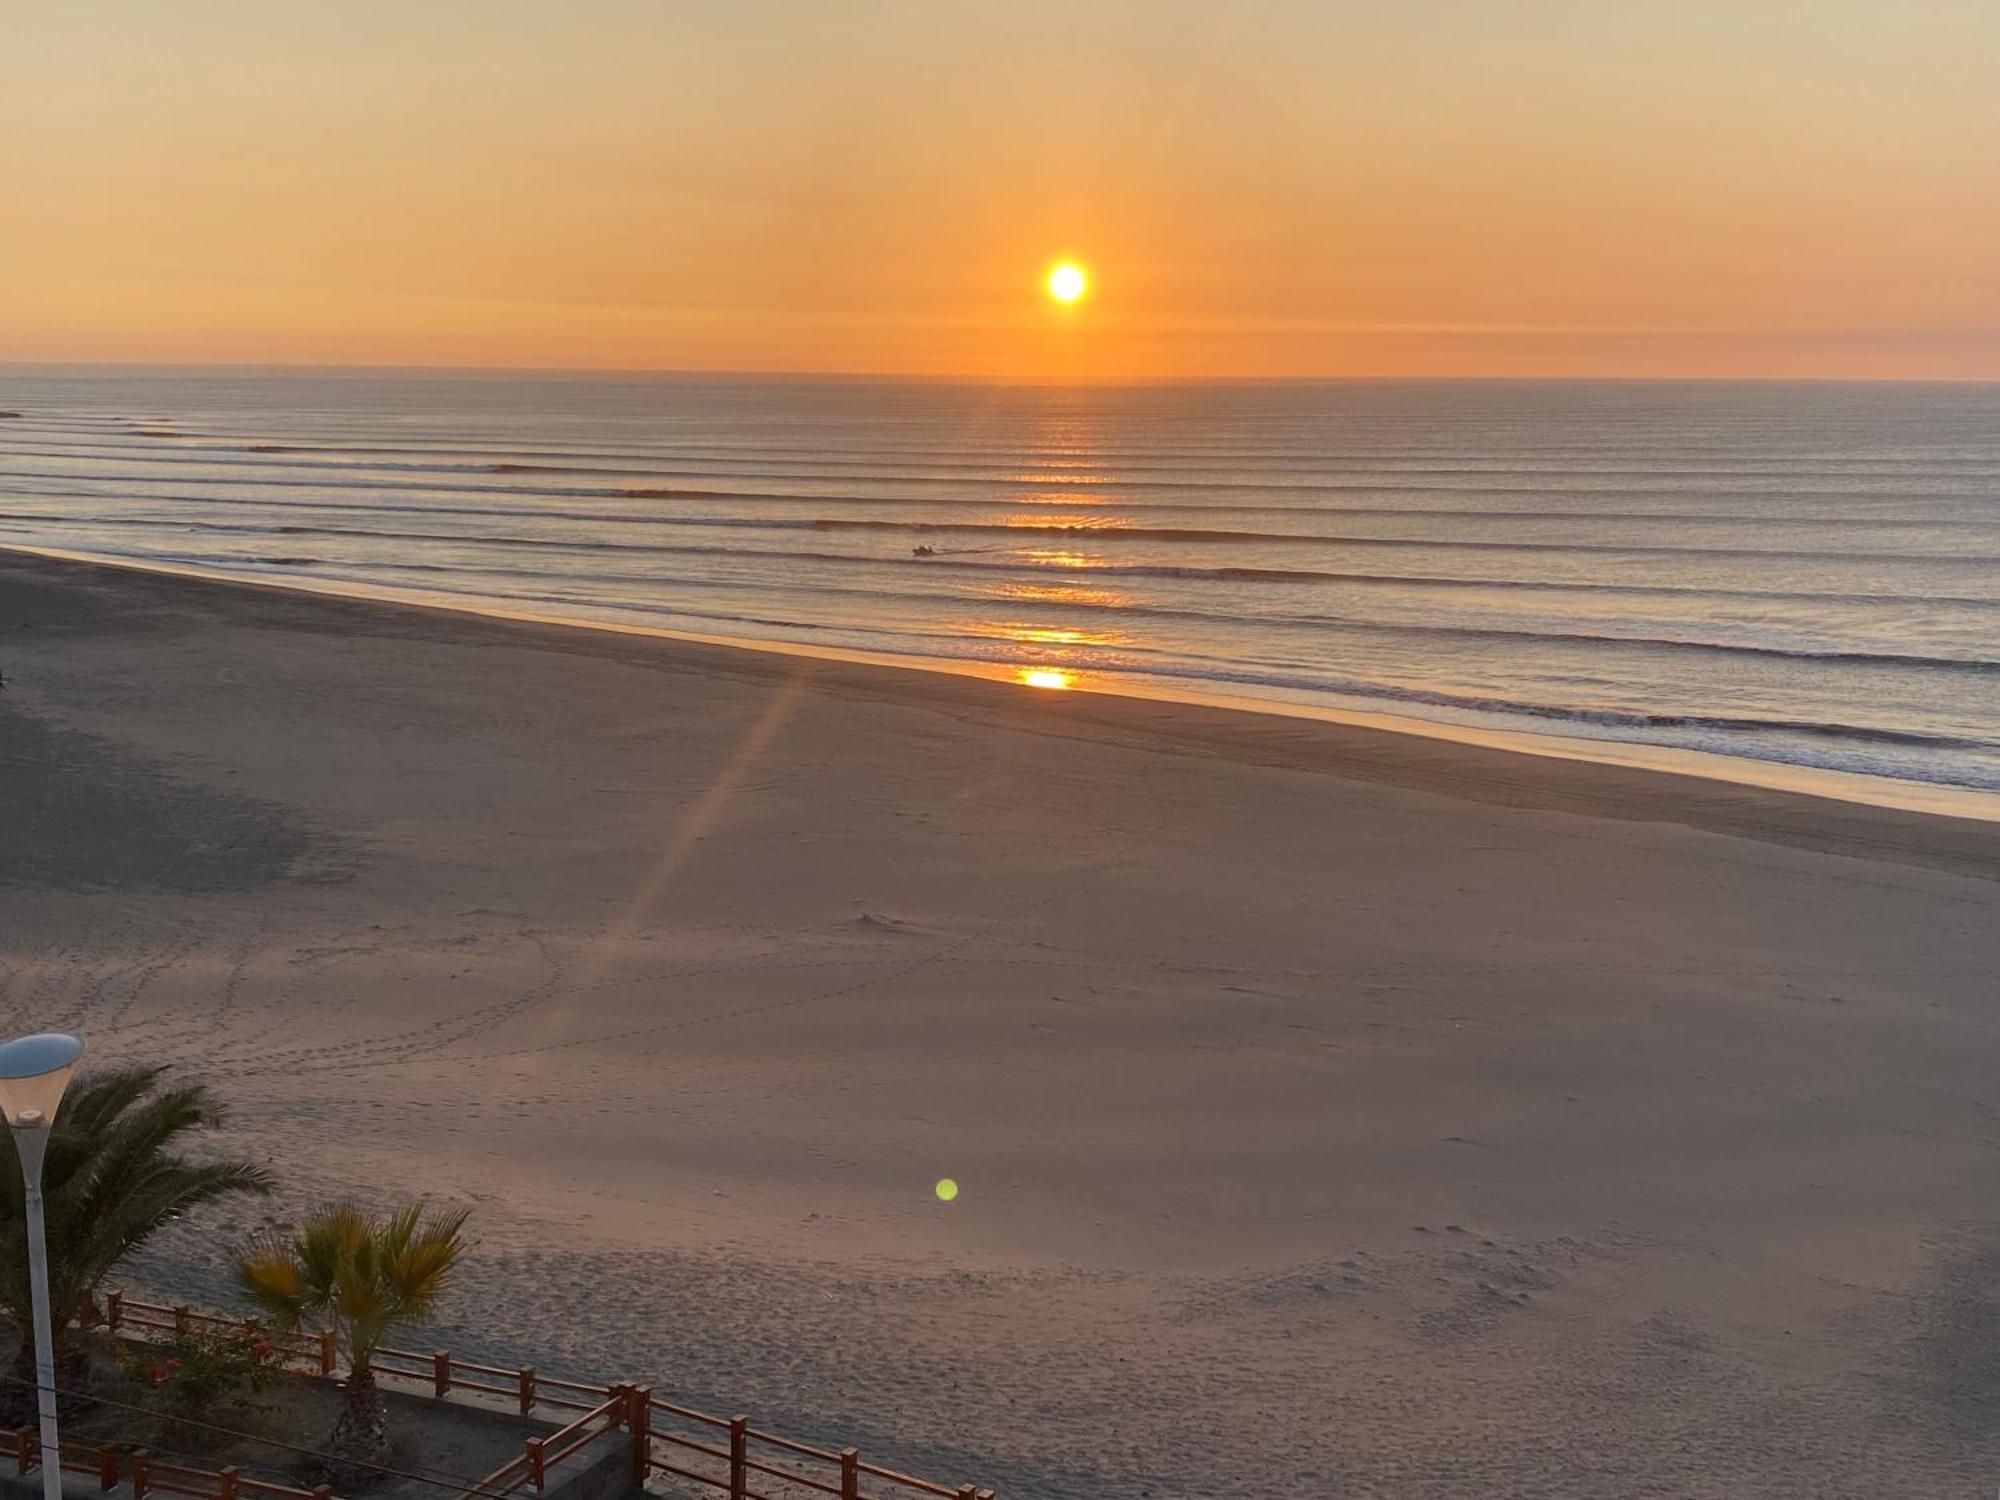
1045	677
1068	282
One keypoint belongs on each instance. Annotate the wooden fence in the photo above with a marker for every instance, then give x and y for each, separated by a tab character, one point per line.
113	1463
723	1454
541	1455
730	1456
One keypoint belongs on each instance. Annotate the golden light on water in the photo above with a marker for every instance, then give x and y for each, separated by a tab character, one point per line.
1063	520
1059	593
1050	635
947	1189
1061	557
1045	677
1068	282
1029	634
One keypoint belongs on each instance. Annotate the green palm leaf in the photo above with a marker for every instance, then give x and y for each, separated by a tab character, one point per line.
359	1275
112	1179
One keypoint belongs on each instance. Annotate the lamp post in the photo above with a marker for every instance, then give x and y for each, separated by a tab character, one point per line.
34	1071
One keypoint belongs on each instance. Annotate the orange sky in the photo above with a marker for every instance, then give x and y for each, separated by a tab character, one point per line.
1424	187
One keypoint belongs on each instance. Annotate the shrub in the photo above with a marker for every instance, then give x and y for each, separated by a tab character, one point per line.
183	1378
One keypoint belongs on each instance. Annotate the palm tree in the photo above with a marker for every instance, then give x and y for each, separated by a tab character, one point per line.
111	1181
358	1274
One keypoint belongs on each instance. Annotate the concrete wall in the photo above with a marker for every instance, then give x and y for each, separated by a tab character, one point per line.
602	1471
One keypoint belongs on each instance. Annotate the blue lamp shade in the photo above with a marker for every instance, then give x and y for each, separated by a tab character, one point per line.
34	1071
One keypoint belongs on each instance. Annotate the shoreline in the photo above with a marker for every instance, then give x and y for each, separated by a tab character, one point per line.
1819	784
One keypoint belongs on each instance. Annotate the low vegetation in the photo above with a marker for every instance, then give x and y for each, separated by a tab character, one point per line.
358	1274
113	1178
186	1379
115	1175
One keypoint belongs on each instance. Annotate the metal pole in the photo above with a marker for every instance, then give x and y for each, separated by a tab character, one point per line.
31	1139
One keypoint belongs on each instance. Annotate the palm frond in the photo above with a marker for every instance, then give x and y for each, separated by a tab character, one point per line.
361	1273
111	1180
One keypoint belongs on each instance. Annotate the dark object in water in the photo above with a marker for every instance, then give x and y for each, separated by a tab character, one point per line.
5	414
923	552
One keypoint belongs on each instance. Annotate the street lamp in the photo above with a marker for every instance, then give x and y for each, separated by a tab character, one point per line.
34	1071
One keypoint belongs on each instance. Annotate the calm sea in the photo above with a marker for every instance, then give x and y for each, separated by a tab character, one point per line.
1799	573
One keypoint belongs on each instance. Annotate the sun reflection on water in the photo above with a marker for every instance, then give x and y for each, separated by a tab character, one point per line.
1074	520
1060	593
1068	459
1040	635
1045	677
1066	497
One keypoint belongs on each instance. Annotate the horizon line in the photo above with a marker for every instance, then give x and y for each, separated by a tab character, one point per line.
938	378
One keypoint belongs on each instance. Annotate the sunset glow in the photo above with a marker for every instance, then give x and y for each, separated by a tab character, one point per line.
1284	190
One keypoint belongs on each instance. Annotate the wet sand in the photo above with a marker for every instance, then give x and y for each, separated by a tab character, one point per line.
1336	1112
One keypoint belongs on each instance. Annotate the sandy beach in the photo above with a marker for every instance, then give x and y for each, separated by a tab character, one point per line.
1336	1112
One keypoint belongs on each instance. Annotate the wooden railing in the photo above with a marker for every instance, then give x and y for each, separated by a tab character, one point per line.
728	1455
725	1454
112	1463
540	1455
311	1353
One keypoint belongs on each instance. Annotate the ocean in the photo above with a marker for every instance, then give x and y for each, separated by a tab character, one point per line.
1797	573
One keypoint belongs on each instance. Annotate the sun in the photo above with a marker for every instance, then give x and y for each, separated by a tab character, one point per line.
1067	282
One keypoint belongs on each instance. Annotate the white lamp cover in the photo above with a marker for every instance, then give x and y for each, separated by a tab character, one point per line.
34	1071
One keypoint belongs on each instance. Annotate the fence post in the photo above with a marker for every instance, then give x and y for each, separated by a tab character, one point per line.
114	1309
226	1483
968	1492
527	1389
107	1467
181	1319
639	1417
326	1351
739	1457
537	1469
850	1474
322	1492
441	1370
141	1473
986	1495
24	1449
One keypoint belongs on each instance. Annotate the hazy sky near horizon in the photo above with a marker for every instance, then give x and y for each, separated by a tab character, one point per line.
1400	187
